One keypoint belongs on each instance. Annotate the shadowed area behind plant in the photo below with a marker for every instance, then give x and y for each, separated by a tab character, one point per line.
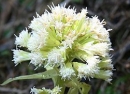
15	15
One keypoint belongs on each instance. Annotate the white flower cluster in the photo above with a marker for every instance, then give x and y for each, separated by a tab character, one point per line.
61	36
55	90
66	73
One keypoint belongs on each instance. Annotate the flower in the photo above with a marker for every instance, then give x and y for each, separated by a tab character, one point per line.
59	38
40	91
63	35
98	29
66	73
34	90
104	74
101	49
56	57
82	14
69	39
106	63
89	69
37	40
37	59
55	90
23	38
20	56
61	13
41	22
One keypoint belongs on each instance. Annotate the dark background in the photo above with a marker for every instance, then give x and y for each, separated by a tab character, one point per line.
15	15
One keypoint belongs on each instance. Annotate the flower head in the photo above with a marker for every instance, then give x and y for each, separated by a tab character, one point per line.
37	40
66	73
37	59
89	69
34	90
20	56
56	57
23	38
40	91
63	36
55	90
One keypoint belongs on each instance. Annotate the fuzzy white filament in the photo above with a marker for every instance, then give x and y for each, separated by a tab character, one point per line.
66	73
23	38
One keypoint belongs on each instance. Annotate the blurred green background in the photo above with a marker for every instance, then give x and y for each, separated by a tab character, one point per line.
15	15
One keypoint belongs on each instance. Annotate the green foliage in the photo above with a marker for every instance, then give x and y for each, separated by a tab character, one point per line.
77	1
7	34
113	89
4	53
44	75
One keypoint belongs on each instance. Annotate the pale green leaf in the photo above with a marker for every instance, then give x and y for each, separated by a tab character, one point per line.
85	88
43	75
73	91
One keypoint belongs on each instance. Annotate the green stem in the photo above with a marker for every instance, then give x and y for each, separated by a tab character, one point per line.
77	84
